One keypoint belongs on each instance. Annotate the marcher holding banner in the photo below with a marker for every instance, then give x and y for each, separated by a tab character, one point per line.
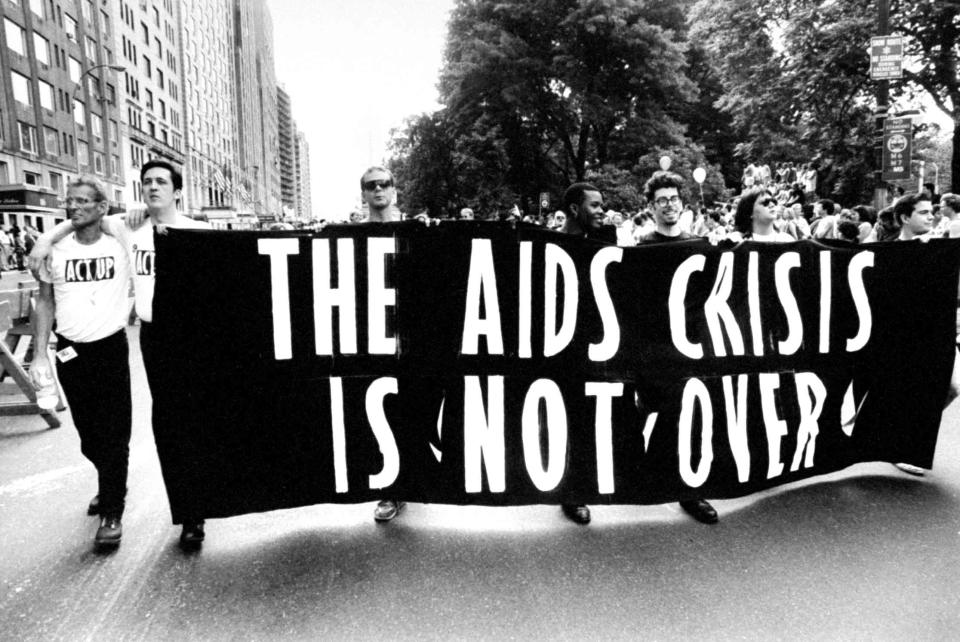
175	431
754	219
662	191
84	289
583	205
379	191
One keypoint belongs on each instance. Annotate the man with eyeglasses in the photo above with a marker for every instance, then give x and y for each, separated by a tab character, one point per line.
662	191
84	288
663	194
173	429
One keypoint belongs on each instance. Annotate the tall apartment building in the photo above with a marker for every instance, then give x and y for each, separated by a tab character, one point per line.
148	47
286	148
58	105
304	204
102	87
256	100
207	29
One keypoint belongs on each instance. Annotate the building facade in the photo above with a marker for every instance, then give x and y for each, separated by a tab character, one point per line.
256	100
102	87
148	46
59	105
206	30
304	204
286	151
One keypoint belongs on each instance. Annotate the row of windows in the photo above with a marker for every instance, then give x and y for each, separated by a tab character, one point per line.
56	143
51	98
17	42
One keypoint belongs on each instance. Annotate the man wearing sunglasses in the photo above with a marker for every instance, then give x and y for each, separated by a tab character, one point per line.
84	288
663	193
378	190
379	193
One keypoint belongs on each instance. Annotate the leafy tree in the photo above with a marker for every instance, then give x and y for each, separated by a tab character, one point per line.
796	80
932	28
422	166
580	81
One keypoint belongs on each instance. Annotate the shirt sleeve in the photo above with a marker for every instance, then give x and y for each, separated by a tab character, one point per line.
115	226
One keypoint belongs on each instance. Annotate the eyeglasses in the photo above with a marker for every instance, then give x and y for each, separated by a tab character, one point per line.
663	201
81	201
372	185
768	201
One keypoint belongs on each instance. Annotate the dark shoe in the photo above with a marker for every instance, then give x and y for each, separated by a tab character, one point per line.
109	532
191	537
94	507
700	510
387	509
577	513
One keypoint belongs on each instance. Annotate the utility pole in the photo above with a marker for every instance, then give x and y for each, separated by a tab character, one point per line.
880	115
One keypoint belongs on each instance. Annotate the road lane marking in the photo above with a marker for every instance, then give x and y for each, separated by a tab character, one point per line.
38	482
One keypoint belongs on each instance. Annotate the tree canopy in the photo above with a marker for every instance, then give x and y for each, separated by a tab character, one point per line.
537	94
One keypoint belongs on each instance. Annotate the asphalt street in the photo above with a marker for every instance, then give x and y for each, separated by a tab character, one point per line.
865	554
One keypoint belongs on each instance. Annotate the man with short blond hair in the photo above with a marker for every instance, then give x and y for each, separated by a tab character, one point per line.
84	289
379	192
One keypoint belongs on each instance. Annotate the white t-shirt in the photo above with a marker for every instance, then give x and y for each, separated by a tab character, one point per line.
774	237
140	248
90	285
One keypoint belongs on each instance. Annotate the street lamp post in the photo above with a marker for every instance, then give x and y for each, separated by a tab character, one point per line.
73	105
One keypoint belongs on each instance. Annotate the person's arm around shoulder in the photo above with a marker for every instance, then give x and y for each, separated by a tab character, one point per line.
135	218
44	245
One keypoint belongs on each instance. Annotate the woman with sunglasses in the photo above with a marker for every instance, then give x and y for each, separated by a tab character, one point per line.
755	219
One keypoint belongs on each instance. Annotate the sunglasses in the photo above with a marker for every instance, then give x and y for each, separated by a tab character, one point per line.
768	201
372	185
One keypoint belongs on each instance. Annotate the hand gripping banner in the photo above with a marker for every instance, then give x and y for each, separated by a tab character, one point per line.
479	363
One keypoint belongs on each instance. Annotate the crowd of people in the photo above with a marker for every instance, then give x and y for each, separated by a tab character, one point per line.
86	263
784	212
15	244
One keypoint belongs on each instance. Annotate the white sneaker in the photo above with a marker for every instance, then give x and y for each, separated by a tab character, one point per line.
910	469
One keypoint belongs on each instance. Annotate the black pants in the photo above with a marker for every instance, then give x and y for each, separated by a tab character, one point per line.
175	428
97	384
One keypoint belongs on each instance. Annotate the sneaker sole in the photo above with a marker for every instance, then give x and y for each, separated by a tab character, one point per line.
394	515
107	541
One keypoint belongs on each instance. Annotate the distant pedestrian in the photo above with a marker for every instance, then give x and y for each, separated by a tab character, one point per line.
6	249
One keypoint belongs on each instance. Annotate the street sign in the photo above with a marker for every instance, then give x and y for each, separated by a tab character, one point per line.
886	57
897	144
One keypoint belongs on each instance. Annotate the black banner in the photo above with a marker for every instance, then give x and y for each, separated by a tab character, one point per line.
481	363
